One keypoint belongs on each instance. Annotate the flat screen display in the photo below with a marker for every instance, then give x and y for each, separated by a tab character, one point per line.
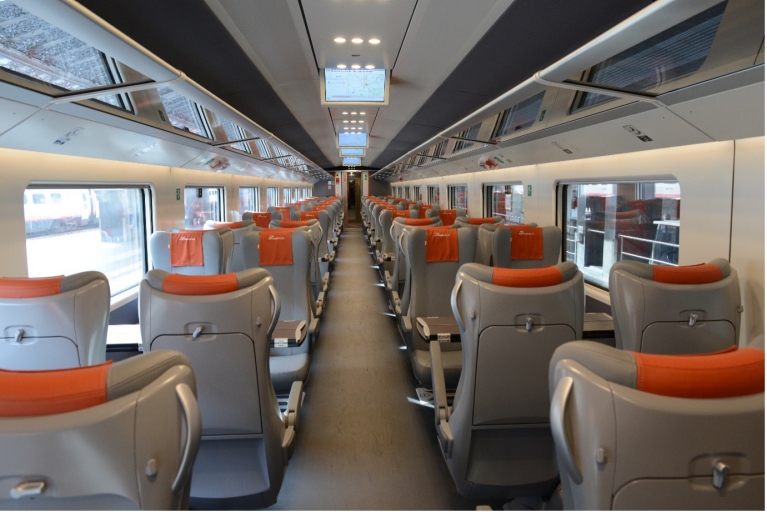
355	85
353	152
352	140
351	160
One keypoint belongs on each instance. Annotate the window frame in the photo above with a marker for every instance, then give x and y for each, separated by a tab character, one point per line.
146	200
487	200
451	189
256	198
221	197
430	193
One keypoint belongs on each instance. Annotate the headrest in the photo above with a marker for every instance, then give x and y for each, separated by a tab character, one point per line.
702	273
526	243
262	219
724	374
181	284
534	277
32	287
441	245
447	217
400	214
186	249
284	211
41	393
275	247
478	221
310	215
418	222
293	223
422	210
232	225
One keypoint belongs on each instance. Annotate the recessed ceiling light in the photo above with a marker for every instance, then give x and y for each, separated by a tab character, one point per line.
344	113
362	113
354	113
370	66
345	121
341	66
355	66
356	40
374	41
352	122
339	40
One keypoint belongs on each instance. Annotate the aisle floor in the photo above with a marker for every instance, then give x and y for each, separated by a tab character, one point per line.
362	444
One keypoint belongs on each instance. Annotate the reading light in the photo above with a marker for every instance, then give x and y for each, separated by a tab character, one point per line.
362	113
352	122
372	41
355	66
370	66
339	40
357	40
354	113
341	66
344	113
346	121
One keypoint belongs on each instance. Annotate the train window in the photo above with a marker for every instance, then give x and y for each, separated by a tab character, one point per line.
39	51
272	196
507	201
307	192
184	114
203	204
439	149
519	117
608	222
249	199
285	196
416	193
470	133
458	197
433	192
234	132
102	229
675	53
296	195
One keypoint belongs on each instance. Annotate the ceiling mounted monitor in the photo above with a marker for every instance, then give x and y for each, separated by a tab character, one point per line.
352	161
352	140
354	86
353	152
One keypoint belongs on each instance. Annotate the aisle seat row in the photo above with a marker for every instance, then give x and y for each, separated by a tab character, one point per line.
521	404
246	337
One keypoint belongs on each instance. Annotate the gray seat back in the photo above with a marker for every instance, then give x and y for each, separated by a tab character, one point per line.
474	224
87	436
648	432
651	313
237	229
311	226
431	282
522	246
162	245
223	325
57	322
261	219
376	224
511	322
401	269
288	260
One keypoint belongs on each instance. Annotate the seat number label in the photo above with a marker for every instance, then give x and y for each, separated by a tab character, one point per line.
443	337
280	342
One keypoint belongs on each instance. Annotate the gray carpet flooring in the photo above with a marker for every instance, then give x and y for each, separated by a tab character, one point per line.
362	444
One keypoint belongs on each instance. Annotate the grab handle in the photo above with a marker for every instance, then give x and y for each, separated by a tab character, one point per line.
557	413
454	305
277	308
193	433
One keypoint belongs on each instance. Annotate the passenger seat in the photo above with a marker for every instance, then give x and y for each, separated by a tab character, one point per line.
238	229
523	246
109	436
53	322
262	219
474	223
223	324
495	437
675	310
651	432
191	252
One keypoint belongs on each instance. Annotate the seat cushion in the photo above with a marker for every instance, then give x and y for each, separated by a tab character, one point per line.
452	361
287	369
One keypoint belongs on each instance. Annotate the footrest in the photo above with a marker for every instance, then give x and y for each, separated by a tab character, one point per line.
289	333
440	328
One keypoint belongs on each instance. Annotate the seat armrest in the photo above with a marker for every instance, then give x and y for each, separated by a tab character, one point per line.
320	301
441	409
406	324
291	417
387	279
313	325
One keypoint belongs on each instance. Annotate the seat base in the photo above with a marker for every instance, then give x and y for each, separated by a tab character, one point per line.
452	361
287	369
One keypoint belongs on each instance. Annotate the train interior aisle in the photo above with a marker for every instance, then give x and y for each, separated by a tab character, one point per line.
382	254
359	402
